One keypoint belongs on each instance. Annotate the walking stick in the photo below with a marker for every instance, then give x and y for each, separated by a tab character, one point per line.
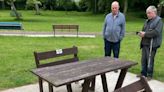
151	46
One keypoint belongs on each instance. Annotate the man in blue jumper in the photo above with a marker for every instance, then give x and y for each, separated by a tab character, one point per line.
113	31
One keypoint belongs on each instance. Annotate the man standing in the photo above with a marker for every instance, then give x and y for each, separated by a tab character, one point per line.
151	35
113	31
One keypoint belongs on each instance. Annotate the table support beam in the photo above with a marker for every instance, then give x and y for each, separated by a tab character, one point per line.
121	78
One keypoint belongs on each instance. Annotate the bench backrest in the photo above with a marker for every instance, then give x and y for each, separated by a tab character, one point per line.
66	27
138	86
70	52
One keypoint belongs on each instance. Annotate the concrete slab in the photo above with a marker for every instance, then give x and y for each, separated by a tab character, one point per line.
156	86
45	34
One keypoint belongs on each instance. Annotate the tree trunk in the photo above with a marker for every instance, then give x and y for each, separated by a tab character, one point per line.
37	9
3	4
50	4
95	10
51	7
125	6
15	11
159	9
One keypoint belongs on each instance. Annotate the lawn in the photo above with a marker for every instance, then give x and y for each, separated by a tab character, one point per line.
86	20
16	57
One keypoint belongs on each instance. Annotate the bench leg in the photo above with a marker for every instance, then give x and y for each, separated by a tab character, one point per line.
50	87
40	84
121	78
104	82
77	32
86	85
69	88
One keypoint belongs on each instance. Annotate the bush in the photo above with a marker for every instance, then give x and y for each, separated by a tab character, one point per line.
67	5
82	6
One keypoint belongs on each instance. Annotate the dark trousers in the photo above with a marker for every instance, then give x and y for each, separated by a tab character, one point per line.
147	71
112	46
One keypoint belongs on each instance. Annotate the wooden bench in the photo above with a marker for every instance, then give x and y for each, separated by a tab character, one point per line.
66	27
138	86
11	25
70	53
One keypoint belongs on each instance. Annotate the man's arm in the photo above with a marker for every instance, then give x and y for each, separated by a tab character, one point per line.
122	28
154	32
104	27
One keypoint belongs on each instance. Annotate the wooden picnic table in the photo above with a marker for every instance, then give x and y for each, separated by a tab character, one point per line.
85	70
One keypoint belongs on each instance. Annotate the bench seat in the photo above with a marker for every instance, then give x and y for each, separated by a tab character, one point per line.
11	25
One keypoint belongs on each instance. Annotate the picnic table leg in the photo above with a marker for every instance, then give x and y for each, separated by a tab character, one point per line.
104	82
69	88
121	78
50	87
86	85
93	84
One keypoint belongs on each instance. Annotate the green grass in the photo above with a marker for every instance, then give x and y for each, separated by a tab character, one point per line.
44	22
86	20
16	53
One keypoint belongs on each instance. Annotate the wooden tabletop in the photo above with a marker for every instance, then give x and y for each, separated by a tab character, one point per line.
71	72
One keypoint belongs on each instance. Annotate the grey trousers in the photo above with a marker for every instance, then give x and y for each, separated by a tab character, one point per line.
147	71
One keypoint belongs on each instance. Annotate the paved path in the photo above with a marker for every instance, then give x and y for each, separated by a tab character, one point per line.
156	86
48	34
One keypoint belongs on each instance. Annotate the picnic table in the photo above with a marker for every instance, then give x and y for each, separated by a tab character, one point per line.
86	70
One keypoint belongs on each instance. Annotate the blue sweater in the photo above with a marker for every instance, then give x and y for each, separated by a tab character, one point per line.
114	29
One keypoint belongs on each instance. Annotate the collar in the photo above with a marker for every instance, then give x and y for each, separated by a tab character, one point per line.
116	14
148	20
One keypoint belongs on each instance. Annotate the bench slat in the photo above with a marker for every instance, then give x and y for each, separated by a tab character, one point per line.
10	25
63	27
59	62
52	54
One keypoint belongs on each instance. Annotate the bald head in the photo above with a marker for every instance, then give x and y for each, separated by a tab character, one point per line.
115	7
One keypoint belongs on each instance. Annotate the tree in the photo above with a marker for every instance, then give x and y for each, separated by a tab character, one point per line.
104	5
3	4
66	5
50	4
36	4
14	11
125	6
160	5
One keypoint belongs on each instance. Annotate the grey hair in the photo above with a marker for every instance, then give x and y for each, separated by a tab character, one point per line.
152	8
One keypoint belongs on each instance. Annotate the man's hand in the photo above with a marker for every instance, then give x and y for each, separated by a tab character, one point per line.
141	34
